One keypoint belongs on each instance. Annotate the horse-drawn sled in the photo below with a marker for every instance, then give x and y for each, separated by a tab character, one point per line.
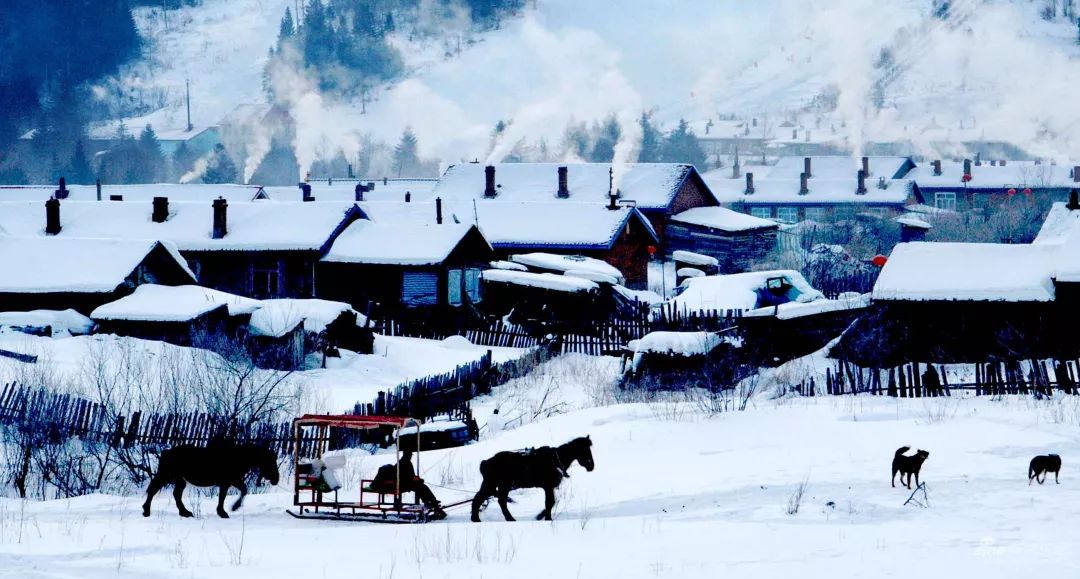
382	498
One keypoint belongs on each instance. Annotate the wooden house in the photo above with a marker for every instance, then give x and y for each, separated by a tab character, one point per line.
58	273
736	240
404	266
969	185
259	250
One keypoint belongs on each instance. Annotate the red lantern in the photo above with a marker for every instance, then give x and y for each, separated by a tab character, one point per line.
1027	190
966	178
879	260
652	250
1012	192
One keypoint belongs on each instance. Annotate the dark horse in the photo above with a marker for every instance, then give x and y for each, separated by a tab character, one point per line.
221	465
543	467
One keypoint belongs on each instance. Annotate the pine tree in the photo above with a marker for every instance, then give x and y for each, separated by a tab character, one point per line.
182	161
220	168
79	172
576	140
681	146
607	135
406	155
151	159
650	141
287	29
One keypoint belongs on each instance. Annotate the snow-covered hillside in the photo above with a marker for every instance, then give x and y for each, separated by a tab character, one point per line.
994	71
674	494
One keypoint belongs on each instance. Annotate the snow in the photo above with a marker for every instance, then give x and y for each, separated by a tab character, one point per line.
836	167
593	276
372	242
250	226
548	281
723	219
71	264
650	185
158	303
567	263
689	272
143	193
792	310
276	317
912	221
1059	224
967	272
683	256
679	343
644	296
344	190
439	426
65	322
1015	174
821	191
508	265
737	291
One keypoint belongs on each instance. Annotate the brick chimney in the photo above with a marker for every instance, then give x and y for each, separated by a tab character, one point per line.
359	190
937	167
749	184
408	196
1074	200
97	184
804	186
866	167
612	192
861	188
62	191
438	210
489	182
806	168
116	197
52	216
564	190
1002	163
306	189
161	210
1076	174
967	167
220	223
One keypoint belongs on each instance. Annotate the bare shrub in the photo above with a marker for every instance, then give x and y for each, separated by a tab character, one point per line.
795	500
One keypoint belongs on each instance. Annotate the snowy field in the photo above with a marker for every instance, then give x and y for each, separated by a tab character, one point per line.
676	493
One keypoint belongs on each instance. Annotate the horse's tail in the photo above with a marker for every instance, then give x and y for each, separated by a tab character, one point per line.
485	468
1031	469
900	451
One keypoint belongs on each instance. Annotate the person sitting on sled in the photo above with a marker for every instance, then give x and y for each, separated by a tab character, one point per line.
387	475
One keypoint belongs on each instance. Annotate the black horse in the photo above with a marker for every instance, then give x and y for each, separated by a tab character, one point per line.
221	465
543	467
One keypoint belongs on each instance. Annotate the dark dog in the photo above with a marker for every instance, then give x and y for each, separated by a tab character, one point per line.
909	465
1040	465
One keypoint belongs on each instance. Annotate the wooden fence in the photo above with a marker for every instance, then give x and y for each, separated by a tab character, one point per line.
997	378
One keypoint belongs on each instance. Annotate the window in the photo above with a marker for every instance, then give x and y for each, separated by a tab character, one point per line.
818	214
266	278
420	288
788	214
763	212
945	200
458	280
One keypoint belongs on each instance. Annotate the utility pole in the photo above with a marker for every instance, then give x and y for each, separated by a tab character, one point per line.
187	89
165	13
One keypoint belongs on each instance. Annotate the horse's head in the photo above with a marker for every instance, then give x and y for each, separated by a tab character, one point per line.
268	466
580	449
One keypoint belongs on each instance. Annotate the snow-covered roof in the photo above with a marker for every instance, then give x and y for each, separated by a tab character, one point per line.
277	317
158	303
683	256
723	219
137	193
829	167
923	271
73	264
650	185
344	190
1059	224
250	226
107	130
372	242
820	191
61	321
913	221
737	291
678	343
548	281
1018	174
569	263
506	225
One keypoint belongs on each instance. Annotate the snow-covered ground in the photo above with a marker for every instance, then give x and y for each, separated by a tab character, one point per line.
676	493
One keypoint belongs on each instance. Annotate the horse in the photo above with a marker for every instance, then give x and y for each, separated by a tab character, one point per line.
543	467
221	465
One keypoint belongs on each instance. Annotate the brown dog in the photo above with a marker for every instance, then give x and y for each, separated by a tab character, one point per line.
909	465
1042	464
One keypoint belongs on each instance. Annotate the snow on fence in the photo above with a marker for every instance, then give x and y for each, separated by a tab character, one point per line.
997	378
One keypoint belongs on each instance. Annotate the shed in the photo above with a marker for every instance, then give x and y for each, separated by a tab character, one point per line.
738	241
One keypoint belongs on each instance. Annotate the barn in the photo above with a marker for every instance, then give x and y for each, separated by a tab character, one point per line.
53	273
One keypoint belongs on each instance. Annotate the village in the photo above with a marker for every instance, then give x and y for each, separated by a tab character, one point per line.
406	289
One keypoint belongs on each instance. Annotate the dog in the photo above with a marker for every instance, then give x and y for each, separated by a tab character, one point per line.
909	465
1042	464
